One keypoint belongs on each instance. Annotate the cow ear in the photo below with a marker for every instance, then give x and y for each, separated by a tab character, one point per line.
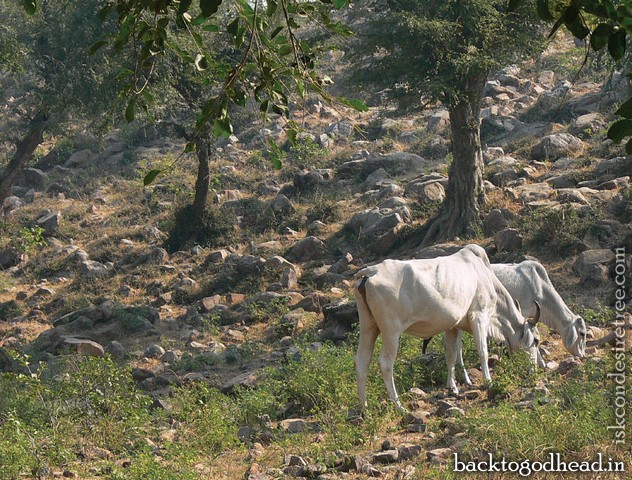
527	336
536	318
571	335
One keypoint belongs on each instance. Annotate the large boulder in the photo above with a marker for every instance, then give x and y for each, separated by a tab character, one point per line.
399	163
555	146
430	191
592	265
310	248
80	159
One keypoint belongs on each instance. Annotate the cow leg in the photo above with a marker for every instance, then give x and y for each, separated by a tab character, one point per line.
386	360
368	335
479	332
459	358
451	344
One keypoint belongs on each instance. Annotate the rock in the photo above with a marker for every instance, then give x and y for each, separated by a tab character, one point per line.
439	455
50	223
116	349
80	159
587	125
547	79
398	163
567	365
308	179
426	192
592	265
495	221
443	406
170	357
310	248
154	351
438	121
246	379
289	279
316	228
217	256
614	184
341	312
439	250
530	192
91	269
508	240
85	347
34	177
408	451
375	178
156	256
342	129
299	425
9	257
10	204
386	456
281	204
247	264
617	166
341	265
555	146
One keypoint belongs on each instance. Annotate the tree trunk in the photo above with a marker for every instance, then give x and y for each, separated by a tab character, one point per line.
23	154
203	180
460	214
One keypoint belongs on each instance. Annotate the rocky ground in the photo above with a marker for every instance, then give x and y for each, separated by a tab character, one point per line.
90	265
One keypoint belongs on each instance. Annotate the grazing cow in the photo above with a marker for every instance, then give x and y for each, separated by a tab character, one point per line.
528	282
428	297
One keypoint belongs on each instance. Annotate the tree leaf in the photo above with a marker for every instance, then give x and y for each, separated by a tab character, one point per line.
130	111
620	129
628	147
209	7
190	147
616	44
292	135
272	7
543	11
625	110
354	103
233	27
151	176
599	36
30	6
211	28
96	46
338	4
222	127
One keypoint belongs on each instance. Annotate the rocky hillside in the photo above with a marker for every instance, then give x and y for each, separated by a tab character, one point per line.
238	347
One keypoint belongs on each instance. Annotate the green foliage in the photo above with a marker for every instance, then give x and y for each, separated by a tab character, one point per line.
557	229
574	418
511	373
444	50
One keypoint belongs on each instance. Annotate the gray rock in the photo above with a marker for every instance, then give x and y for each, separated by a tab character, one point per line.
426	192
170	357
281	204
495	221
592	264
10	204
508	240
85	347
80	159
316	228
375	178
50	223
342	129
34	177
555	146
217	256
341	312
438	121
587	125
386	456
567	365
310	248
399	163
154	351
116	349
9	257
91	269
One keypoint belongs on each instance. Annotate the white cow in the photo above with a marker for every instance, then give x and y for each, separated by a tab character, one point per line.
427	297
528	282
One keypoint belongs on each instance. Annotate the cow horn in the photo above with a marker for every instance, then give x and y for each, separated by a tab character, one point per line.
536	318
